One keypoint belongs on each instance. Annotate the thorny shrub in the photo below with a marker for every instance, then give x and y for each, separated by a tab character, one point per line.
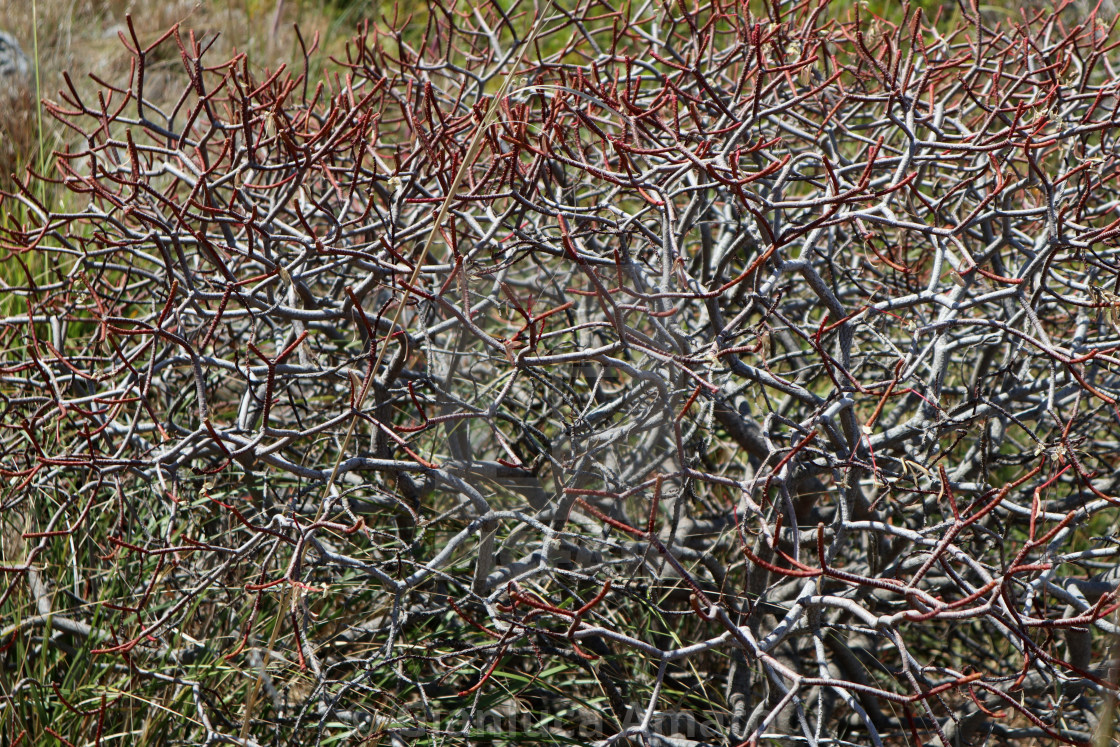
667	374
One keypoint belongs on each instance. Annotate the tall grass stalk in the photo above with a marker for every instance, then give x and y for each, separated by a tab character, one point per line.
38	88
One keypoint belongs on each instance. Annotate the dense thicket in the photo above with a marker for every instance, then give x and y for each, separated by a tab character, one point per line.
666	373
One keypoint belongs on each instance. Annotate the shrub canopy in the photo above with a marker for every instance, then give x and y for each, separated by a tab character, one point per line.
681	374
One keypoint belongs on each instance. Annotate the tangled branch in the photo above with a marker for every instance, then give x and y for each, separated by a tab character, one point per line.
762	367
